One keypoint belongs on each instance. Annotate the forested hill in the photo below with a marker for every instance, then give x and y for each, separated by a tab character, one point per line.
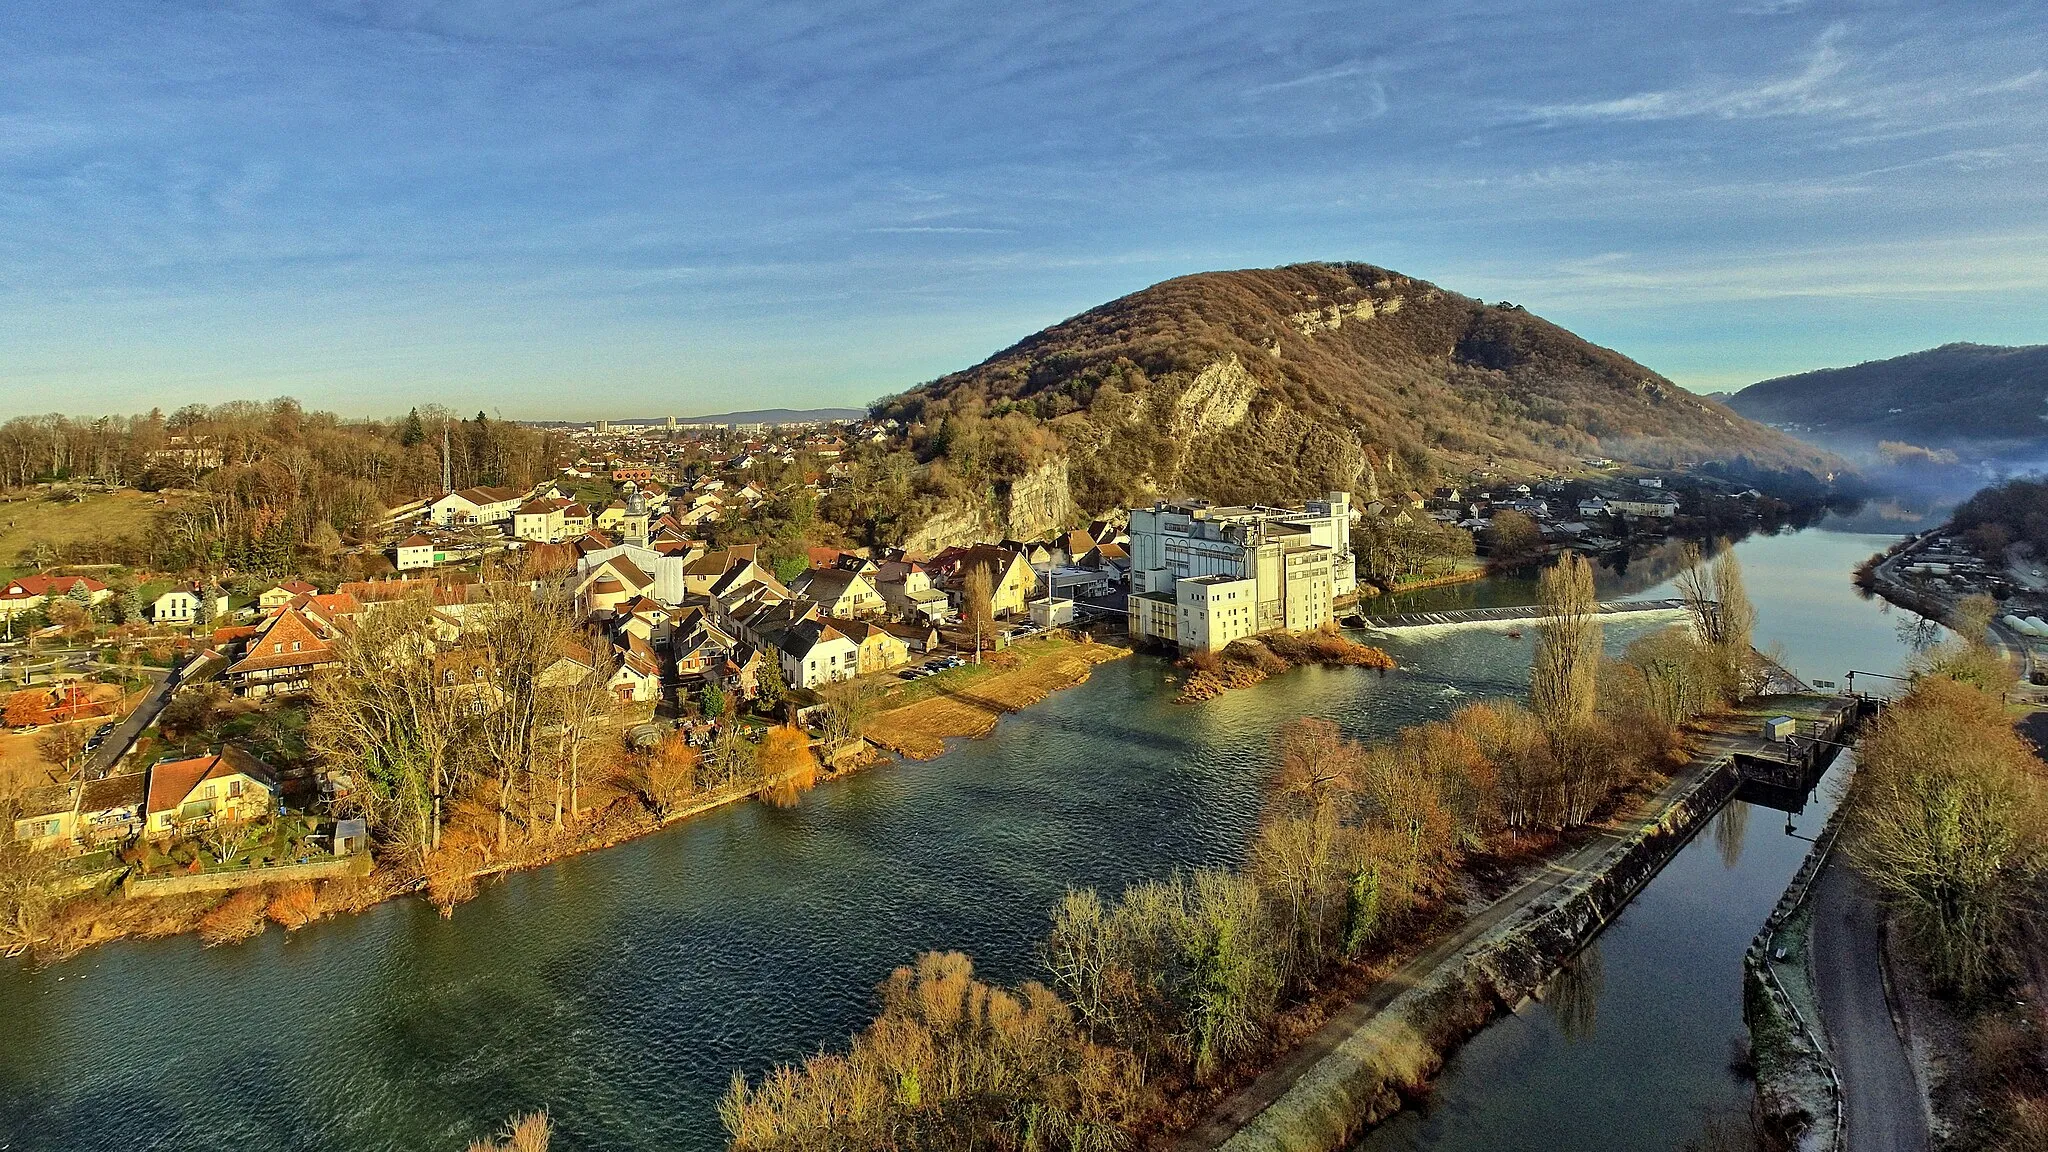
1977	398
1278	383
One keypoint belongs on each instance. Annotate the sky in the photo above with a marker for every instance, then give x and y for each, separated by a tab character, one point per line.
621	208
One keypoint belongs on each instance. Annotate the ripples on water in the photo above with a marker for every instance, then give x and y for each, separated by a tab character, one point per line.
620	989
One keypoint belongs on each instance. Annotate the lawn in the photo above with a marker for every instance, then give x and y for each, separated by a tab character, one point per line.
27	516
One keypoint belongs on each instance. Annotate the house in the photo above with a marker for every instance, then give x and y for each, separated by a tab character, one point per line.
1662	506
543	521
186	607
1592	506
1649	481
96	812
605	586
839	591
279	595
877	649
228	786
706	570
416	551
813	653
1010	577
917	638
637	677
475	506
906	589
281	659
32	592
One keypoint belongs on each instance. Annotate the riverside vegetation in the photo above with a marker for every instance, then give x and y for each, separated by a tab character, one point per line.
1948	820
1156	1001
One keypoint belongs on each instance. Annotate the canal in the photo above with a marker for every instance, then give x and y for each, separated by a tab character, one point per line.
621	989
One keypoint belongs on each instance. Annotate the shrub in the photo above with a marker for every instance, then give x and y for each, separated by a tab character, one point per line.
234	919
293	905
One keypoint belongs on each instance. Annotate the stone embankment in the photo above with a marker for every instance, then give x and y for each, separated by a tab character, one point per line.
1391	1055
1796	1084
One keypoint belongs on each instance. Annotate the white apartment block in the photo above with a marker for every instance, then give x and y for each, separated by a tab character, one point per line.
1203	576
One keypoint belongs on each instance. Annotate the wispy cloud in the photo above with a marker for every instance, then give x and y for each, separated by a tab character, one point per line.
1804	92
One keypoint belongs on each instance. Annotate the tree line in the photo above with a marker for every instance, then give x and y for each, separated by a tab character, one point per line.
271	481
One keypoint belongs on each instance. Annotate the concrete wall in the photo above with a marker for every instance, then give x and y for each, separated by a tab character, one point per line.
358	865
1364	1080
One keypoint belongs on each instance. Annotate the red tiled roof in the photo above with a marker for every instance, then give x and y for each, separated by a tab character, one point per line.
171	781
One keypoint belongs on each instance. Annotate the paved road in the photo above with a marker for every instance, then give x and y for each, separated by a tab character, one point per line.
117	743
1881	1109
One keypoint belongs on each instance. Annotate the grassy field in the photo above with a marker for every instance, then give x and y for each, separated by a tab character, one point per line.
968	701
27	517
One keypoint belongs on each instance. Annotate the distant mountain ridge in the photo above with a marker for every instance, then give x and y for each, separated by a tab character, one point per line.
1975	399
767	416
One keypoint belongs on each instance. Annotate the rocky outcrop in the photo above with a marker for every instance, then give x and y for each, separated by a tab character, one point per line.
958	523
1040	503
1034	506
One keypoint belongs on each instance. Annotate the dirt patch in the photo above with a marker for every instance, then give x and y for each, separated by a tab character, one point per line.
920	730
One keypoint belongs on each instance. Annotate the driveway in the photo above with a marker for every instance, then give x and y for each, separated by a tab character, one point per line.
117	743
1881	1102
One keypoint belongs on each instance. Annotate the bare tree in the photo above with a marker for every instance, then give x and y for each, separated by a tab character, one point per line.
523	632
977	607
1563	684
849	705
393	713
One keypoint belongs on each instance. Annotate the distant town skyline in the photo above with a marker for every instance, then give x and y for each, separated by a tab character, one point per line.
607	209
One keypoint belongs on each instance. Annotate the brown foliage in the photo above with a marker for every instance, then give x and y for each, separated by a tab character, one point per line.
950	1063
293	905
788	767
1950	824
527	1133
236	918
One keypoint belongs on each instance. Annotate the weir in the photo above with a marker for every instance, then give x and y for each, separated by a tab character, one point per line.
1508	615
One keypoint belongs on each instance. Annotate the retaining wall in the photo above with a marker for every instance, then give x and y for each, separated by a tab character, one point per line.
1367	1076
357	865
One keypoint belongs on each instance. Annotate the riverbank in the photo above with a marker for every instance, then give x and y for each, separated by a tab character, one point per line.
1382	1051
975	699
1464	575
615	813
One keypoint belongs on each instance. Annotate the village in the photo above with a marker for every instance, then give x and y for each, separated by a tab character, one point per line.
162	763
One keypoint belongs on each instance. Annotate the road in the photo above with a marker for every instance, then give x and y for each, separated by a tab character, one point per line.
117	743
1881	1102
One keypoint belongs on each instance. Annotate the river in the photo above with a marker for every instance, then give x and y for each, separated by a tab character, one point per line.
622	988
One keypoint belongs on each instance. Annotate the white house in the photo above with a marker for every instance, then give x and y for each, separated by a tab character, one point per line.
416	551
474	506
185	607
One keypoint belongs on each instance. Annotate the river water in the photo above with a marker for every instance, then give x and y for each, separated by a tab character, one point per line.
621	989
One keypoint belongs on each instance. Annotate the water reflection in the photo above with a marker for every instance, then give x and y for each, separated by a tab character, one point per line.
1729	829
1573	992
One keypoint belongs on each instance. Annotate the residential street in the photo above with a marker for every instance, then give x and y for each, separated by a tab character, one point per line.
1881	1099
117	743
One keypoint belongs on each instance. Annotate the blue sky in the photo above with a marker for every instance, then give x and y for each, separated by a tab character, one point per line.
638	208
